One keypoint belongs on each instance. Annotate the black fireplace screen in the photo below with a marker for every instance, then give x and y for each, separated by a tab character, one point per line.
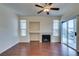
45	38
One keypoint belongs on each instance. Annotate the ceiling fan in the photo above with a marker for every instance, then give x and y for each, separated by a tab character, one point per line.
46	8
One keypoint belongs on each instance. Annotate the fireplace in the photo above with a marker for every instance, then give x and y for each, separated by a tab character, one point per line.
46	38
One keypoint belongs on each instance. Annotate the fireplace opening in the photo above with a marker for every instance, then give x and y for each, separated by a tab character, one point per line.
45	38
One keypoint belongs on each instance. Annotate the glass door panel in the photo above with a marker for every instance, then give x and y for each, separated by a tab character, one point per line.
64	32
71	34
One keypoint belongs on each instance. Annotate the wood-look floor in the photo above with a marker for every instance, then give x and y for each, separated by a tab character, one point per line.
39	49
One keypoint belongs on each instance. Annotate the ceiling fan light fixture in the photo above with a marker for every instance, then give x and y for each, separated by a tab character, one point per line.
46	10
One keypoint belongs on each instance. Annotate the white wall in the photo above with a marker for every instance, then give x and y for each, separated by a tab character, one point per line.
45	26
8	29
71	12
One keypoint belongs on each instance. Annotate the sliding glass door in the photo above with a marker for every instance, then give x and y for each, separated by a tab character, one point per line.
69	33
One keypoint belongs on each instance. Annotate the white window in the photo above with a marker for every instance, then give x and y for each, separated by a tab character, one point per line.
23	27
55	27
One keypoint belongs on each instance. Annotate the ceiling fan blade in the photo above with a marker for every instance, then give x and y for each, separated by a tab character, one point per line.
50	3
54	8
47	13
39	6
39	12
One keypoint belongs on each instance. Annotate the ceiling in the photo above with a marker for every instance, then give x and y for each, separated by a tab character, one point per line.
29	9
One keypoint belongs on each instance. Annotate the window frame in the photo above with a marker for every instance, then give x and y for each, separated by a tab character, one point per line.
55	28
21	33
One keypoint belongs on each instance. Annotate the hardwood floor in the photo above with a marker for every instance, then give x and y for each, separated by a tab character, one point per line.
39	49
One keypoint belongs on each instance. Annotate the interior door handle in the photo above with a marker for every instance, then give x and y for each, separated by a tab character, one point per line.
75	34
